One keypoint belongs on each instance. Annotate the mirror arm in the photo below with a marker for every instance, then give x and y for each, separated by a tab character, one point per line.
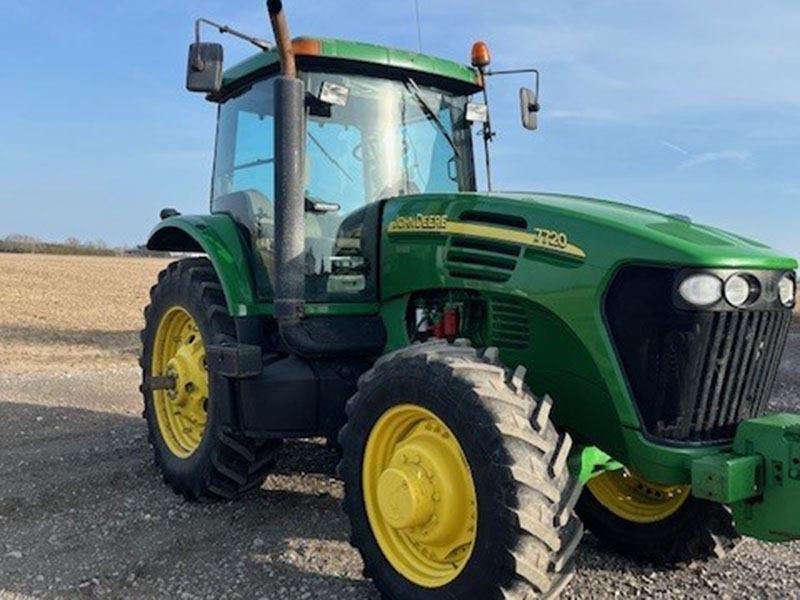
517	72
197	61
488	134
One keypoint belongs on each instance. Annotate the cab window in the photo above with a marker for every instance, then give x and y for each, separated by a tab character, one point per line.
244	173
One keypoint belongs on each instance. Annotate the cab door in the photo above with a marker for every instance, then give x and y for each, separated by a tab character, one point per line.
341	244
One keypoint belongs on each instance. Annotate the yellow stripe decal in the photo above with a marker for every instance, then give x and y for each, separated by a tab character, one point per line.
543	239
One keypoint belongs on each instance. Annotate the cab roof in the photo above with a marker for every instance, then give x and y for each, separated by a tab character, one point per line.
305	47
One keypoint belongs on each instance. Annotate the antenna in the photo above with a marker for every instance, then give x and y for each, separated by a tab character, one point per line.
419	28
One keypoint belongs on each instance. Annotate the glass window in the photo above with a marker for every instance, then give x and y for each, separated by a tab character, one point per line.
245	140
244	173
390	138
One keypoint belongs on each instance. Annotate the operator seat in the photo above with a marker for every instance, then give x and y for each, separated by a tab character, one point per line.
250	208
255	212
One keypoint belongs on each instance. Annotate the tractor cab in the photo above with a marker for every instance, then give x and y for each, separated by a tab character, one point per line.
371	132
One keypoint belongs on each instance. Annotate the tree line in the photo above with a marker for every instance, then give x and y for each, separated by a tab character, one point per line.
28	244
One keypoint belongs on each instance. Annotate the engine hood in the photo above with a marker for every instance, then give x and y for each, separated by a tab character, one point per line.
611	232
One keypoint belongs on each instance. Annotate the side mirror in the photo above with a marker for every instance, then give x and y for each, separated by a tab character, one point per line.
204	68
529	108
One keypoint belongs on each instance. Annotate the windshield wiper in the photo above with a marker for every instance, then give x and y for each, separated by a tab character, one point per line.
431	114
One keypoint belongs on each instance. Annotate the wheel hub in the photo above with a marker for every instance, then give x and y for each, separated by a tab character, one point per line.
188	369
635	499
405	497
181	411
420	497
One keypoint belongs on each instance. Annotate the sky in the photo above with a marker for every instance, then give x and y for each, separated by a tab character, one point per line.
686	106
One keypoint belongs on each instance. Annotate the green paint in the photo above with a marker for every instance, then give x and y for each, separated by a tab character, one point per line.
229	252
342	309
561	299
772	516
589	462
220	238
760	479
667	465
726	478
367	53
393	313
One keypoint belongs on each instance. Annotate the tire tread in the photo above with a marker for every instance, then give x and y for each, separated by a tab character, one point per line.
237	463
547	528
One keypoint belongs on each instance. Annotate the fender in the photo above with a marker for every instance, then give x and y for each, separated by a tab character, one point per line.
220	239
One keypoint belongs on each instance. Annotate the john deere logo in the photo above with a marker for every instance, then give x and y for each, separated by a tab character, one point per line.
419	223
540	238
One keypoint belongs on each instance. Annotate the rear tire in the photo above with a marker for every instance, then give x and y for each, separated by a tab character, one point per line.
697	530
222	464
525	529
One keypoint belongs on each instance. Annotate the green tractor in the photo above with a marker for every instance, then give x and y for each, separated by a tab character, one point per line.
497	369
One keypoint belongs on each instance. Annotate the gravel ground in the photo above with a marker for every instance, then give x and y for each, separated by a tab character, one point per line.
83	514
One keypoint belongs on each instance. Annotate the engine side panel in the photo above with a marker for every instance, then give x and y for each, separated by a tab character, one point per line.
555	265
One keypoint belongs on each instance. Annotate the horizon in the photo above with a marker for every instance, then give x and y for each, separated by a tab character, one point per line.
680	108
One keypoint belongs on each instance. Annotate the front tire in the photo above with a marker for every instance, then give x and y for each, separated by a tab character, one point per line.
187	312
658	524
456	483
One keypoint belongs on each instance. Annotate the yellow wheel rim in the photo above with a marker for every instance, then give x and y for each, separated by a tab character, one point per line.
420	496
179	352
636	500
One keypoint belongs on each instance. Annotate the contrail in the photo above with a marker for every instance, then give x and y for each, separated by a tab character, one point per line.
674	147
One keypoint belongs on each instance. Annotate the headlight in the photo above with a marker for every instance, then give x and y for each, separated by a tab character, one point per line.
786	290
702	289
741	290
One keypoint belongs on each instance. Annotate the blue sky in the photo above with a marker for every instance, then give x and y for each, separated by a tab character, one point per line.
687	106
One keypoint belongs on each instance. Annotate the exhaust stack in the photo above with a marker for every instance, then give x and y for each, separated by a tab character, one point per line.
289	200
283	40
316	337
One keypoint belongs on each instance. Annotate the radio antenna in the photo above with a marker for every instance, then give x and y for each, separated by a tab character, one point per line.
419	28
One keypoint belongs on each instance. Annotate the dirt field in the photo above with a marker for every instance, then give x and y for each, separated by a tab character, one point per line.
62	313
84	515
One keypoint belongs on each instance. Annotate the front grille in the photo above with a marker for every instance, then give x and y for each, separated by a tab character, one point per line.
694	374
482	260
509	325
738	370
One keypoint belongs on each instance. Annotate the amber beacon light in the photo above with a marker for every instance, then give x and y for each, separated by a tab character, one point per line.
480	55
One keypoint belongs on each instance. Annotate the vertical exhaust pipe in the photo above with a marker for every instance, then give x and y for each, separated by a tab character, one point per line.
307	338
283	40
289	200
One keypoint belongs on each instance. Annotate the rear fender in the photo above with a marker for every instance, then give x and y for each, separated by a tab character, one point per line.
218	237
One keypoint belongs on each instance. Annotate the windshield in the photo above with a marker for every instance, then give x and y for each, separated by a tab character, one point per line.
390	138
